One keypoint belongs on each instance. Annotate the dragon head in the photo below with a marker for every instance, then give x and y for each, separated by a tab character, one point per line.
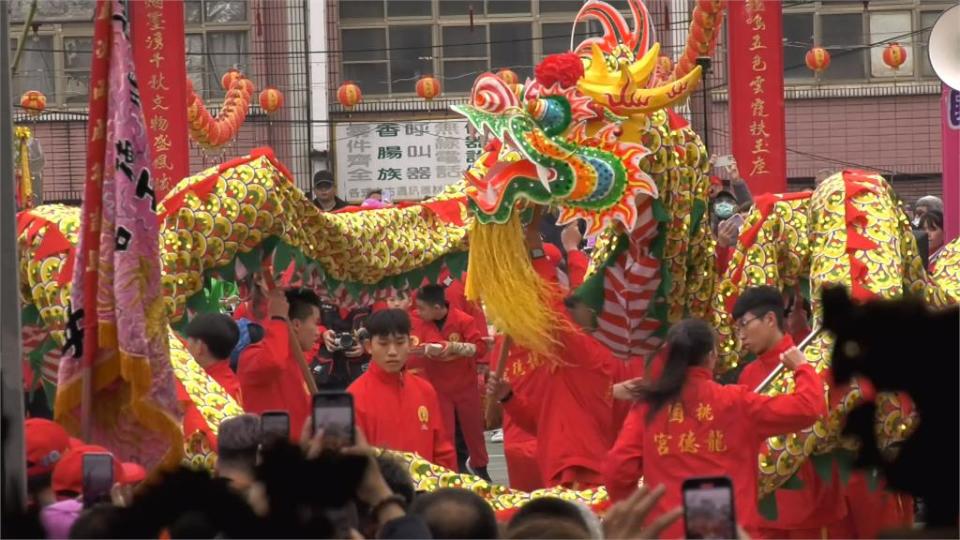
571	137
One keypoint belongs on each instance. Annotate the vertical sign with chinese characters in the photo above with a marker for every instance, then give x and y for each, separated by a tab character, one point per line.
408	160
158	49
756	93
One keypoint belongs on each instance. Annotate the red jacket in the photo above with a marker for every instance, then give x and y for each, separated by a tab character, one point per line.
569	409
712	430
448	376
400	411
456	296
817	503
577	263
621	371
193	420
520	364
270	378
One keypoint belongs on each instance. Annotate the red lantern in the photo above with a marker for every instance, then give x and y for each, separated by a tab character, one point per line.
33	101
349	94
508	76
227	80
818	59
428	87
894	55
271	99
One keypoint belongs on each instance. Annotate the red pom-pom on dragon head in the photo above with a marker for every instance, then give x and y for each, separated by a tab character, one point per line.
564	68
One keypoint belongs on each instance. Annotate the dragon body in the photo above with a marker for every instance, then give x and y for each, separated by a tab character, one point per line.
603	146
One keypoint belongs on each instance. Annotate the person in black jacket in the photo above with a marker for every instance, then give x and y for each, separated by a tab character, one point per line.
341	358
325	192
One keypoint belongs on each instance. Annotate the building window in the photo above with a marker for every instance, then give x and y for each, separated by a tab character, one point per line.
217	39
885	26
511	46
927	20
388	44
555	36
464	55
842	35
76	69
856	39
410	8
57	60
36	70
797	38
411	56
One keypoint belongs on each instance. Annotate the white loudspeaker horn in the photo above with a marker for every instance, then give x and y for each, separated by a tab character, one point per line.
944	47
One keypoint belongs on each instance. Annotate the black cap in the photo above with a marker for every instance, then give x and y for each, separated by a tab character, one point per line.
724	194
322	178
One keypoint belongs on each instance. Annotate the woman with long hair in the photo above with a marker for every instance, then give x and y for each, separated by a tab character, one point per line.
685	425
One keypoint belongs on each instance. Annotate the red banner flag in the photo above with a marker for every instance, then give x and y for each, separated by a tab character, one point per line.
756	93
158	50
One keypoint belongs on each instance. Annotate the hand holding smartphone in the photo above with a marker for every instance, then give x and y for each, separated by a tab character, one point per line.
724	161
737	219
97	478
708	510
274	425
334	415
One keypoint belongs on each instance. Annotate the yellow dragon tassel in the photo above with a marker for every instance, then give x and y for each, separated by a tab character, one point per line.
516	299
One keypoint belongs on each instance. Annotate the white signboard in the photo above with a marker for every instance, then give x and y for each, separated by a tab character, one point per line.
408	160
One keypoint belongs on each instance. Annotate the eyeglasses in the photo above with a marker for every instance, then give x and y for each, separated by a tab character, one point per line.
742	324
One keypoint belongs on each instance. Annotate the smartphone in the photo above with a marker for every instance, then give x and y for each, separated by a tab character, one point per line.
97	478
724	161
708	510
738	219
333	413
274	425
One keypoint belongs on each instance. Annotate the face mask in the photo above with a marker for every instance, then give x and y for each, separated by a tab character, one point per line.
723	210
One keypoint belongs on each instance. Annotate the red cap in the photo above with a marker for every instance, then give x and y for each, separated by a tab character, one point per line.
68	474
47	442
715	181
133	473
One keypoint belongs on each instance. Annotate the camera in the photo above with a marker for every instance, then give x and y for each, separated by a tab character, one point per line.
344	341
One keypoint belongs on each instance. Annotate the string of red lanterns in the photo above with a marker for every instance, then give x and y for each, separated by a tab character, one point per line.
212	132
818	58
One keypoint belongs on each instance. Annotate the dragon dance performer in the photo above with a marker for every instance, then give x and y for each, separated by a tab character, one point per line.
565	402
686	425
395	408
451	344
210	337
818	509
270	377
